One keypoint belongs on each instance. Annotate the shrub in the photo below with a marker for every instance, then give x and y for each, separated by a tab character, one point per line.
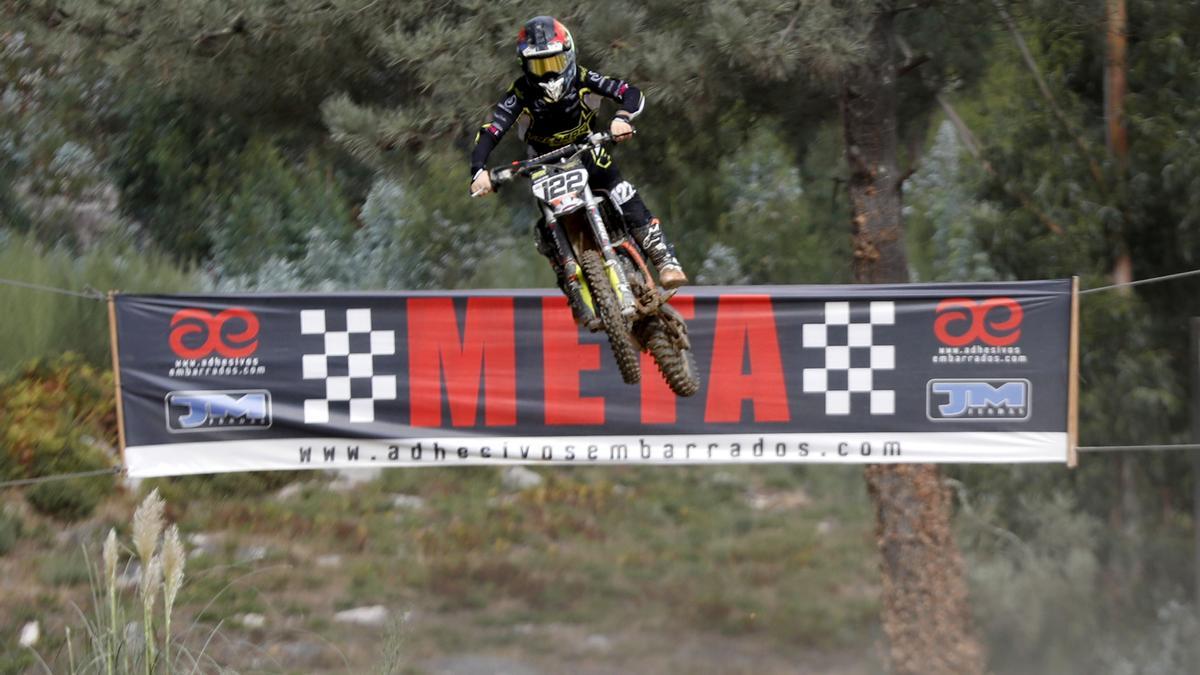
61	419
10	530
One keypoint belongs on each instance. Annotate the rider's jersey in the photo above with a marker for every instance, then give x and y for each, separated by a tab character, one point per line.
553	124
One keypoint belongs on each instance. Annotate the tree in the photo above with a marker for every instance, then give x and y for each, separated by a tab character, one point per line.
853	46
925	611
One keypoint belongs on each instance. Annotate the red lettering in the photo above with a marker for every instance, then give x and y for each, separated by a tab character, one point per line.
658	401
563	358
487	346
746	321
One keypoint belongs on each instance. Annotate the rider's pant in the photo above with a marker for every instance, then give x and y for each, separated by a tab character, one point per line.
605	179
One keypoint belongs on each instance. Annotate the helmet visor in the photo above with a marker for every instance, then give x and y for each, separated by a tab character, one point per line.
542	65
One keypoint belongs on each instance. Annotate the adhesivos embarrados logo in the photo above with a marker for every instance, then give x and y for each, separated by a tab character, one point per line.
221	344
206	410
979	331
196	333
987	400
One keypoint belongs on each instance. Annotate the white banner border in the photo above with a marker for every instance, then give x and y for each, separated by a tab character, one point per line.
176	459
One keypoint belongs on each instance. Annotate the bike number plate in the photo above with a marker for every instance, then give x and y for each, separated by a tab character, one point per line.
561	190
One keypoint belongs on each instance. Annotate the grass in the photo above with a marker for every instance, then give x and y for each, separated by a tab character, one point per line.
63	569
613	550
38	323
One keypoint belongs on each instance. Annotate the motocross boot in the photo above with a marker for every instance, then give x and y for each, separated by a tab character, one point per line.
652	240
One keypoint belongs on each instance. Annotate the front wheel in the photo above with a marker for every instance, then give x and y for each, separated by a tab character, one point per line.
604	297
676	362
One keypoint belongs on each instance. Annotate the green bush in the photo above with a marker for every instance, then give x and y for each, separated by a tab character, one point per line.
70	499
61	419
10	530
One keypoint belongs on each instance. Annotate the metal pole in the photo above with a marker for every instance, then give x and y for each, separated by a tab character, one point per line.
1195	378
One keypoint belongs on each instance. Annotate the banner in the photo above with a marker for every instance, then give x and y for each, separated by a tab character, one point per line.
849	374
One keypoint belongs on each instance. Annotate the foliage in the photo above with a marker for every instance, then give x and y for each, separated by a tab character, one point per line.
61	420
274	208
764	193
53	181
941	216
322	146
10	528
1031	587
40	324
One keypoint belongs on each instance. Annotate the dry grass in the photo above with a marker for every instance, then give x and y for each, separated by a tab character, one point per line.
617	552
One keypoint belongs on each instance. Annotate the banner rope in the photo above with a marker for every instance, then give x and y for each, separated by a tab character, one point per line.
1136	448
1139	282
88	292
91	293
59	476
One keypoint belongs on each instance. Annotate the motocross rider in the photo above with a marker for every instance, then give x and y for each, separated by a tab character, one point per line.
555	101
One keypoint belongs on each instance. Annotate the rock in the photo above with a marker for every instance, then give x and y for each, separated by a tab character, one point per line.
129	576
252	553
725	479
203	544
778	501
597	643
520	478
374	615
30	633
73	537
407	502
349	479
252	620
331	560
302	655
290	490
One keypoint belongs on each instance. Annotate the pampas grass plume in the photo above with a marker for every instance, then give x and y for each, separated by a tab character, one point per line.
147	526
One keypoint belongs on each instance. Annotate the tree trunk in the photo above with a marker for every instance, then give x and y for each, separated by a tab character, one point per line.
1116	43
1117	141
925	615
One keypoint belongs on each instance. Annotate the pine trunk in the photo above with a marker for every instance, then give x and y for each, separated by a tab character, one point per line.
925	615
1116	45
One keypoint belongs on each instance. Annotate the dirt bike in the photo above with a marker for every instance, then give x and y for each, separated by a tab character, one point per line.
618	290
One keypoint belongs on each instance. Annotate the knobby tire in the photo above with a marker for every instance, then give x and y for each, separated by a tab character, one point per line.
604	297
678	366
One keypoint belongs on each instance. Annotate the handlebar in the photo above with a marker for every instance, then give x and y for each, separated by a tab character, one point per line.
524	167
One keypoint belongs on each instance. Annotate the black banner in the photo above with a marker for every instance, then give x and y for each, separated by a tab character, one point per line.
914	372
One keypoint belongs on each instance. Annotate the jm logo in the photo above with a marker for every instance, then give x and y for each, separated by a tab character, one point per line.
203	410
956	399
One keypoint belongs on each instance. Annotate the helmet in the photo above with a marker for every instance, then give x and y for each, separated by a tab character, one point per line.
547	55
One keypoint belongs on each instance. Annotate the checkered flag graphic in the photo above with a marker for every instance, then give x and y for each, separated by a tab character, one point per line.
851	358
360	388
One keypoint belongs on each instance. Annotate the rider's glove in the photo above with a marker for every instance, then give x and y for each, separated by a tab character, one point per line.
481	184
621	129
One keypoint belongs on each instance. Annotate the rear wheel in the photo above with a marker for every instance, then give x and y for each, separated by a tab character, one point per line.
676	363
604	297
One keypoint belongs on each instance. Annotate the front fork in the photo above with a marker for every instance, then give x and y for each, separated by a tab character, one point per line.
616	274
566	254
572	278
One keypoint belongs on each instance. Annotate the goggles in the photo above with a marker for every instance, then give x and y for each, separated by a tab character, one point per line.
538	66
